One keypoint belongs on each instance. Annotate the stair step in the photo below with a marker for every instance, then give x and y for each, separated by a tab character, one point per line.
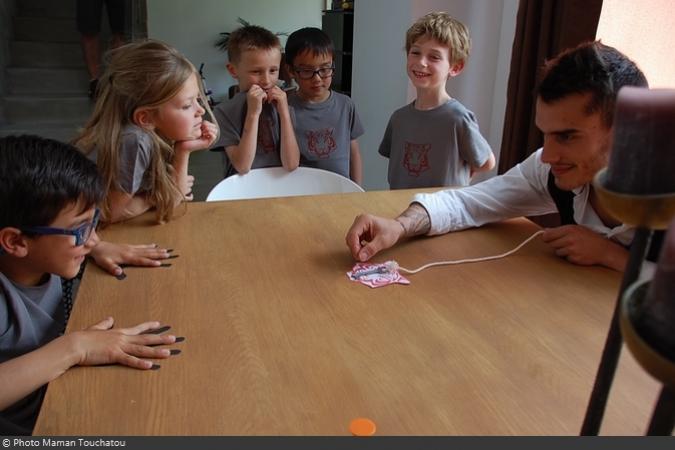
46	54
64	132
46	109
46	81
47	8
45	29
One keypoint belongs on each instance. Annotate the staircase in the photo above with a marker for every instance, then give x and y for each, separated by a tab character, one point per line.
46	80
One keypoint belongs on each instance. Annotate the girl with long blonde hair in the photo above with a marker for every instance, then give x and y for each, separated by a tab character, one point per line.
147	120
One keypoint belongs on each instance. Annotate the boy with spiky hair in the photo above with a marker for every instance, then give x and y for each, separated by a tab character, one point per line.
255	124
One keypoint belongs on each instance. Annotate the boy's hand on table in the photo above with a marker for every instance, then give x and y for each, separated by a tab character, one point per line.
102	344
114	257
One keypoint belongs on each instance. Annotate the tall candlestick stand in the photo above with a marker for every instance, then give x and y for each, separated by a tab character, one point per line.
648	213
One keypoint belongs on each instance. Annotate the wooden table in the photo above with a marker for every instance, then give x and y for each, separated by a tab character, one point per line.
279	341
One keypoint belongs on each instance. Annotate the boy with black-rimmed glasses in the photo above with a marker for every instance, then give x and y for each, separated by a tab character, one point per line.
326	123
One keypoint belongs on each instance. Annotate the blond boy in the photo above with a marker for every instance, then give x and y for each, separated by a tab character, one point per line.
435	140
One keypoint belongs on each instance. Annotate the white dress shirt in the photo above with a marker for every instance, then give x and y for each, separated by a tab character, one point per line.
522	191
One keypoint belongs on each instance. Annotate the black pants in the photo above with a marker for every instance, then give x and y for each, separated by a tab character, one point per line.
89	16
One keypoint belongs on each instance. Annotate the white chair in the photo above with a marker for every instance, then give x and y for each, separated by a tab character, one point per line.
278	182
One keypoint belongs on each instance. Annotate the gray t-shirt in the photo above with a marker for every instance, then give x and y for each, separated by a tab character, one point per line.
135	157
231	115
433	148
324	131
30	317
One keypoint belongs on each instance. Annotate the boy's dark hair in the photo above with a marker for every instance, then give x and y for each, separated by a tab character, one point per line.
591	67
250	37
309	39
39	177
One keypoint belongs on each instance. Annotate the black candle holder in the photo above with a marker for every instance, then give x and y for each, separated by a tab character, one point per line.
654	211
647	213
657	364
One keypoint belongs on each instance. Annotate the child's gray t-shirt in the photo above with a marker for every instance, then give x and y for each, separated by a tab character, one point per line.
324	131
134	159
433	148
231	115
30	317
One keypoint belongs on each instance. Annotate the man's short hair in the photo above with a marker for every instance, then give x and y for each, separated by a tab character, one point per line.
39	177
250	37
445	29
312	40
591	67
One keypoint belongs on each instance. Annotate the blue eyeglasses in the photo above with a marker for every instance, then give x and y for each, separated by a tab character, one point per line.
81	233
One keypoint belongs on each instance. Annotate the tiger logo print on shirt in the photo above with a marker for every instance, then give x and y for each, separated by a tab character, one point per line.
416	158
321	142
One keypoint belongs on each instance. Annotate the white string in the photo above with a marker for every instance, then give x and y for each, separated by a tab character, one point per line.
471	260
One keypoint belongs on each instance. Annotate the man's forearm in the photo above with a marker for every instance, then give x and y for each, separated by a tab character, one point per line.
415	220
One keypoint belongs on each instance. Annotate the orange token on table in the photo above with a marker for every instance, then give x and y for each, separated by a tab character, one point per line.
362	427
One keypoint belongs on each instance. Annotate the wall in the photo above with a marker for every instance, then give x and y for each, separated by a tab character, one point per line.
380	84
379	81
644	32
193	27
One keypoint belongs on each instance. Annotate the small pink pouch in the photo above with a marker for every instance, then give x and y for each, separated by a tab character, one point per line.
377	275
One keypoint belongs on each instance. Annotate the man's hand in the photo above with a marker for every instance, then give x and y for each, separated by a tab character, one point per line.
580	245
370	234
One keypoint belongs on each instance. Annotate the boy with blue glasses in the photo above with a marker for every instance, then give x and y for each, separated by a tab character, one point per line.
81	233
48	217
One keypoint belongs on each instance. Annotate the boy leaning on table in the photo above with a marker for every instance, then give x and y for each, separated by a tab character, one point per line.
48	216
